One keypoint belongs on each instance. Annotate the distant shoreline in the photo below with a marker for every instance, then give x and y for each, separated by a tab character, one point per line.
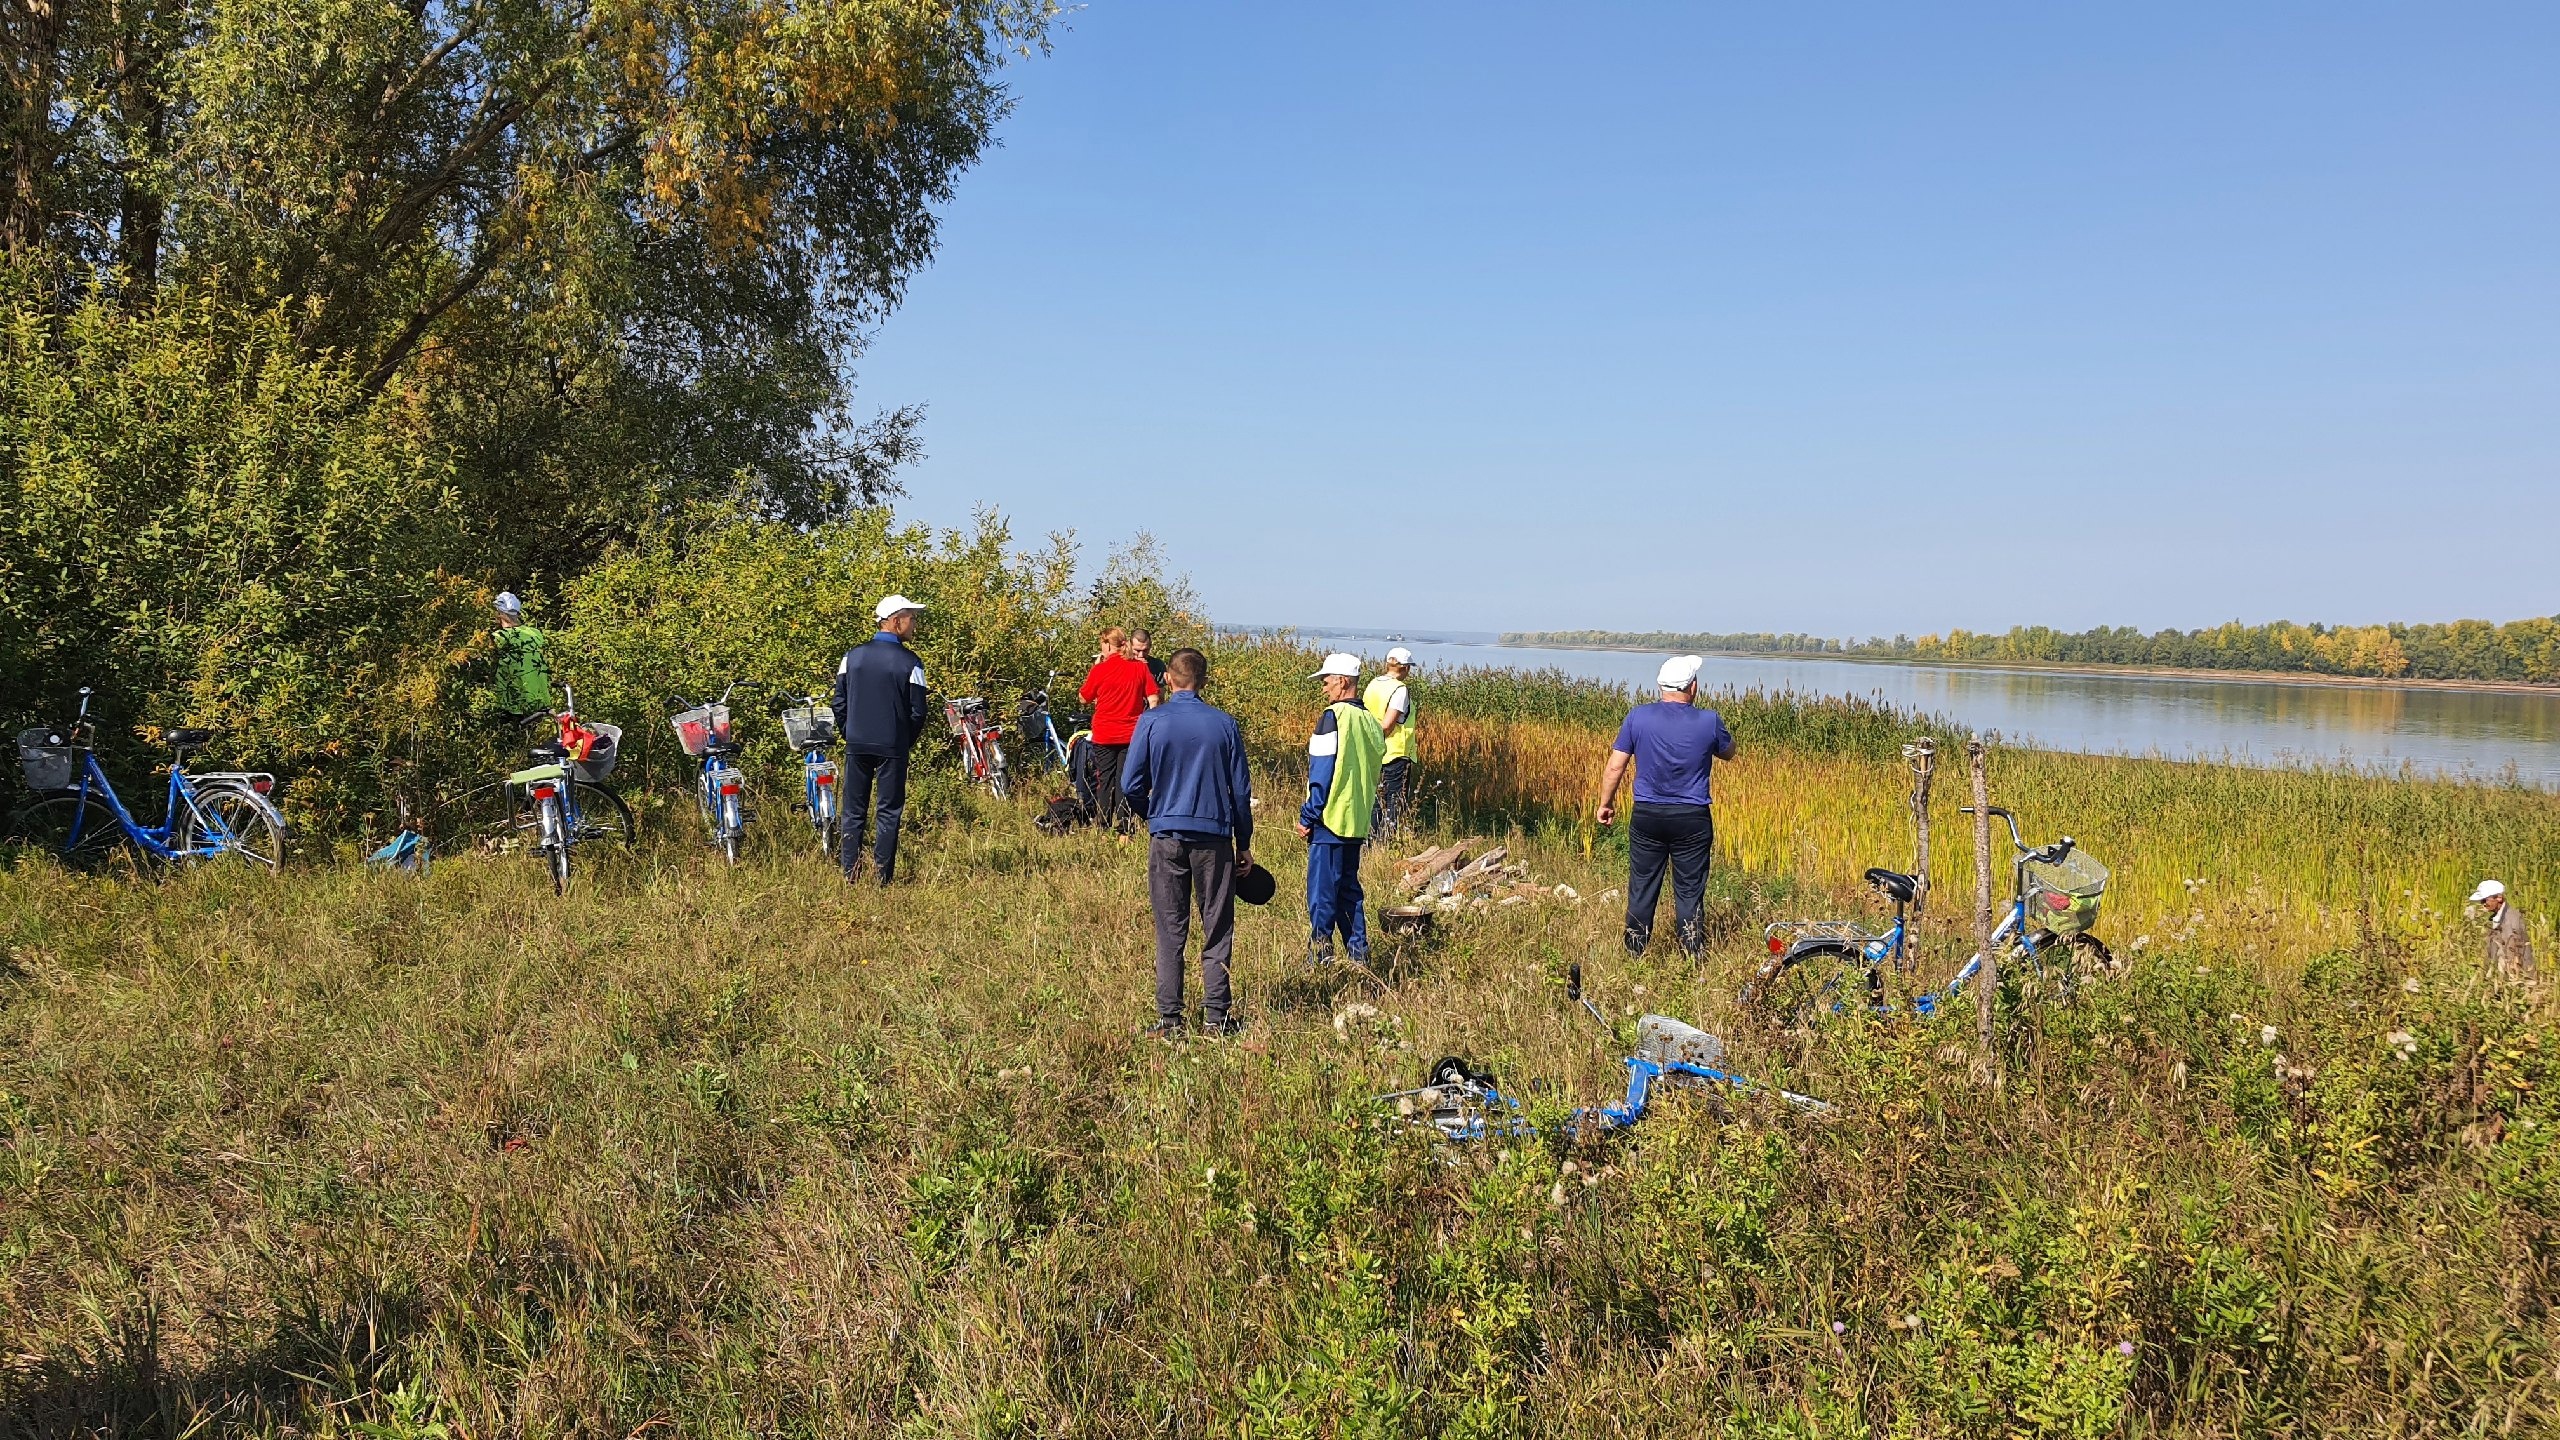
2058	667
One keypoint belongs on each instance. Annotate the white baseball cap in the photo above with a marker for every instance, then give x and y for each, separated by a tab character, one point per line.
1399	656
893	605
1679	672
1340	662
2489	890
507	603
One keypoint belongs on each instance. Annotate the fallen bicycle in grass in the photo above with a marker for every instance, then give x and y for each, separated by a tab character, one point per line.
1463	1102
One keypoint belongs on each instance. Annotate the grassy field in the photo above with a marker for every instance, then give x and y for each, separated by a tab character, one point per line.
710	1152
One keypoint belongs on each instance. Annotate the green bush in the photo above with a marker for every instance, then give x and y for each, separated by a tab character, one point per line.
211	529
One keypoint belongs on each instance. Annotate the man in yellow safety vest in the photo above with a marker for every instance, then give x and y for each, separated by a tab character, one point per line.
1342	795
1389	701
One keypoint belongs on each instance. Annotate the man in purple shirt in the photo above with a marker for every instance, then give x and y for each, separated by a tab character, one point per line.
1673	744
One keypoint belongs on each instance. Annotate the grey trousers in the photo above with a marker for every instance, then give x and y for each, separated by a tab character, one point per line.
1182	869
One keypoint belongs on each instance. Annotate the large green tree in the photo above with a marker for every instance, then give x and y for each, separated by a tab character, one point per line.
623	250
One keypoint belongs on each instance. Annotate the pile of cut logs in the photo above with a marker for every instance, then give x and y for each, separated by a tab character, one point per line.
1473	874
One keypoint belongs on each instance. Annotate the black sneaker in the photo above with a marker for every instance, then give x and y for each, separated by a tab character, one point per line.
1319	955
1162	1030
1220	1027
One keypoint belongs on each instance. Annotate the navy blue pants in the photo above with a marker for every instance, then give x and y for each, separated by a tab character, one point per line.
1681	839
1334	901
861	773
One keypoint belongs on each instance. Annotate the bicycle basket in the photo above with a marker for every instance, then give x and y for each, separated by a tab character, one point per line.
701	727
602	752
809	726
45	759
2063	896
960	712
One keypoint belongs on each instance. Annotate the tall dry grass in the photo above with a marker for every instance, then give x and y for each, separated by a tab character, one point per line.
718	1152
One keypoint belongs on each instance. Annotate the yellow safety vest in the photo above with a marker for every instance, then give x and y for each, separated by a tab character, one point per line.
1374	700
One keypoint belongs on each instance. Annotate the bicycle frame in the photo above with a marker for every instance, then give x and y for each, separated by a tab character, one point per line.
181	800
720	789
154	840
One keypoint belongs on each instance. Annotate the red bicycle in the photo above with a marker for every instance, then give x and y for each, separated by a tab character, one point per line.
981	752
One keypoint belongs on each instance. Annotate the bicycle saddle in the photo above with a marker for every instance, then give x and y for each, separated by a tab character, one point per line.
1894	883
185	739
721	747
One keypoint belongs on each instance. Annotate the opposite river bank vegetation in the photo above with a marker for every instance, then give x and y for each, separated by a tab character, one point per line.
2518	652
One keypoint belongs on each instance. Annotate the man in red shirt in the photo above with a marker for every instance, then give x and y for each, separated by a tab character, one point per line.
1120	688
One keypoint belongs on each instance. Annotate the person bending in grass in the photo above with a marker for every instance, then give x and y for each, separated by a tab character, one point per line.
1343	759
1186	778
1674	744
2510	950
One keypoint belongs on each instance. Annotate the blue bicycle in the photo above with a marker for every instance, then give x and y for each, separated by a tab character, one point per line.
720	791
809	723
77	817
561	798
1039	730
1821	968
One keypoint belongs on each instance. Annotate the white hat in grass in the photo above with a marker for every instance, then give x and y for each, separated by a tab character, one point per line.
1679	672
895	605
1340	662
2489	890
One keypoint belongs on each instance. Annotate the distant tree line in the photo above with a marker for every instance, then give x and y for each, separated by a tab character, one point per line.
2527	651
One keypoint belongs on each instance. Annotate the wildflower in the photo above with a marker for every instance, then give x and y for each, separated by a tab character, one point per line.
2410	984
2267	1036
2125	1348
2141	942
1839	1328
1911	1322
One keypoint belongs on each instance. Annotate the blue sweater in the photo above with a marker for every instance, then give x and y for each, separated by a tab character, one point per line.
1185	771
879	699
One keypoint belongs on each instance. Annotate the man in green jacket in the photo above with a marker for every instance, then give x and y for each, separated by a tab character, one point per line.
1343	758
523	670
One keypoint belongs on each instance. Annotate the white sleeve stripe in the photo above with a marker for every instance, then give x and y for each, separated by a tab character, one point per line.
916	676
1323	745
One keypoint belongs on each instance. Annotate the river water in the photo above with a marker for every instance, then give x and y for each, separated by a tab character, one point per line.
2472	734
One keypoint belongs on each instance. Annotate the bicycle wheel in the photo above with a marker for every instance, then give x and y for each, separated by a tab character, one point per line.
484	817
551	822
1802	989
79	836
255	830
997	784
602	814
822	818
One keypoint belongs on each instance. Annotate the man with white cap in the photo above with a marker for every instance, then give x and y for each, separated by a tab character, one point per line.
2510	951
1389	701
1674	744
523	669
1343	758
880	710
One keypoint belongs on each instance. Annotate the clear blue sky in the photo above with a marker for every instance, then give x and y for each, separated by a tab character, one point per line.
1760	316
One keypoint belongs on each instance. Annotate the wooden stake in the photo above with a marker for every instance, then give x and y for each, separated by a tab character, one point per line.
1923	754
1987	979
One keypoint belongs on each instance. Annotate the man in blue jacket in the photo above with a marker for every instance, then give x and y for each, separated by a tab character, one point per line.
880	711
1185	776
